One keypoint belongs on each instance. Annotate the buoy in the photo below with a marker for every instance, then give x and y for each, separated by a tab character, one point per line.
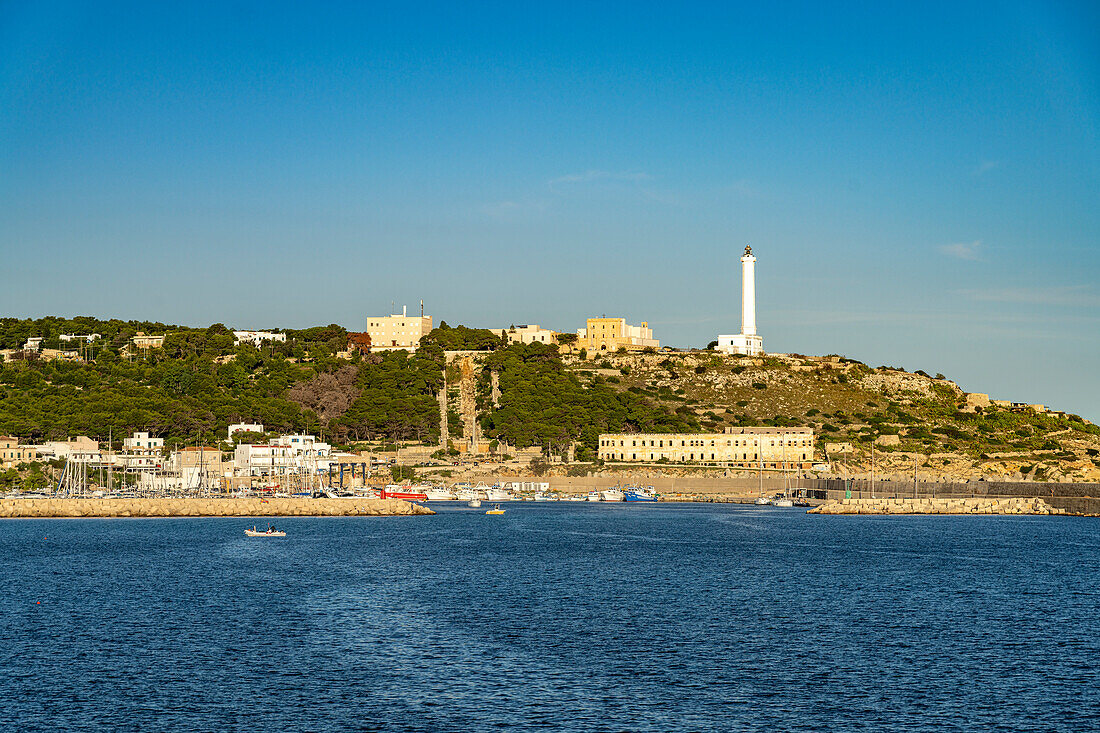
38	603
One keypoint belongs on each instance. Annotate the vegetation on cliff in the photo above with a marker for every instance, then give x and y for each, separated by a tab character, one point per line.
543	404
526	395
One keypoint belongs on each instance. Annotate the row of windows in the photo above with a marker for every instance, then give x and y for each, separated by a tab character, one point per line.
703	457
701	443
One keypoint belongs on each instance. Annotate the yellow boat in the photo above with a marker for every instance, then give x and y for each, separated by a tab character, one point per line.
495	510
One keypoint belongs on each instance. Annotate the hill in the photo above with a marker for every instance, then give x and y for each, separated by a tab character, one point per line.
852	406
200	381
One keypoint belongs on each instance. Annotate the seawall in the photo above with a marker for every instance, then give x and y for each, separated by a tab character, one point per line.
296	507
969	505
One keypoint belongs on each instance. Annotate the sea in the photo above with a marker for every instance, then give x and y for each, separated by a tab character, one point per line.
558	616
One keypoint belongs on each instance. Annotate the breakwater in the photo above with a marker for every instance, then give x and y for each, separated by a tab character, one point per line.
966	505
198	507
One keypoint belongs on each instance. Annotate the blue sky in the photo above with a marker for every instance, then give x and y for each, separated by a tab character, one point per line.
920	183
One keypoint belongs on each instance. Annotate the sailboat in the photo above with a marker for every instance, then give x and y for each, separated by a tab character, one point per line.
785	500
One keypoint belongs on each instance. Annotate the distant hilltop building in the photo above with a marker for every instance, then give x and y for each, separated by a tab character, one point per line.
527	334
142	341
747	342
609	334
389	333
257	338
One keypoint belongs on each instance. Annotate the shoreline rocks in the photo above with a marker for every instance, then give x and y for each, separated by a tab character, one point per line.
198	507
965	505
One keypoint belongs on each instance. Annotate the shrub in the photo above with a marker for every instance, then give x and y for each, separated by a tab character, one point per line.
759	385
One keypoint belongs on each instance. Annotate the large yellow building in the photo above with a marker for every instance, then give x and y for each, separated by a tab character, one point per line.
736	447
398	331
609	334
12	453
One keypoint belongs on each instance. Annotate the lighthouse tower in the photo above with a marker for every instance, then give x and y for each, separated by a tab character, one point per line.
747	342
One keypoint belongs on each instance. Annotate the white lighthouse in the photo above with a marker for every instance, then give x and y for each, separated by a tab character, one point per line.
747	342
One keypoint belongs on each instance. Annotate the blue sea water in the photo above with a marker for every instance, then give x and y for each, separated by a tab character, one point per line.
587	617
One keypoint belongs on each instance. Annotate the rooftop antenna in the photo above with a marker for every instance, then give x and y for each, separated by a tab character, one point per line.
421	307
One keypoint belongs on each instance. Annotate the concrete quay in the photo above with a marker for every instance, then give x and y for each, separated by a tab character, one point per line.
197	507
963	505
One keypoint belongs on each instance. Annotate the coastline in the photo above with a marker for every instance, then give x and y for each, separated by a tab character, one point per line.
198	507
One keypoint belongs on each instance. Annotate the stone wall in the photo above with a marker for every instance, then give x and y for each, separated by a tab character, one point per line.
970	505
296	507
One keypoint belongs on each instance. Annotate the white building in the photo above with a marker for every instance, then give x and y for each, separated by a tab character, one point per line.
256	338
79	450
142	442
282	456
747	342
527	334
34	343
76	337
140	452
389	333
244	427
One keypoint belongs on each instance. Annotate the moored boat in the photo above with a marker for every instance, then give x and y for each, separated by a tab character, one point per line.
762	501
611	495
496	493
593	496
439	493
408	493
635	493
784	502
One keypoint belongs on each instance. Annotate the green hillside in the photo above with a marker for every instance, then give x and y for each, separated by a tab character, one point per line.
190	390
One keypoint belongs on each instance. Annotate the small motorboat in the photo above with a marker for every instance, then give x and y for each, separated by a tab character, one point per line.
762	501
495	510
474	503
269	532
784	502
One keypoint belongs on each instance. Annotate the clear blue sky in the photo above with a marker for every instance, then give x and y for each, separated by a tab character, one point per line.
920	181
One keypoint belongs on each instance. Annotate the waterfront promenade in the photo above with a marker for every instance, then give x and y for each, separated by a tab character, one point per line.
202	507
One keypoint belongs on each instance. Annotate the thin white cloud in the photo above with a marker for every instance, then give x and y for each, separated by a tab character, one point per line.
506	209
962	250
1076	296
593	176
985	166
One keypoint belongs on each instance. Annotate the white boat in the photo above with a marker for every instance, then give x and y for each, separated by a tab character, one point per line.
575	497
762	501
440	494
592	496
269	532
545	497
468	494
611	495
474	503
495	493
783	502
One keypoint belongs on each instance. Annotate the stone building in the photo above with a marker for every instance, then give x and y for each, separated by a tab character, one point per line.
791	448
609	334
12	453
